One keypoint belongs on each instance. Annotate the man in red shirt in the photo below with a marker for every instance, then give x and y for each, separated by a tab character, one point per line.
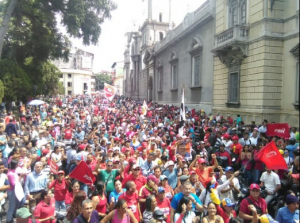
68	132
132	199
229	119
136	177
259	203
203	172
163	203
60	186
236	150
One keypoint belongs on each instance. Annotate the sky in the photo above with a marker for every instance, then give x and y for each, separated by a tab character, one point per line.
129	15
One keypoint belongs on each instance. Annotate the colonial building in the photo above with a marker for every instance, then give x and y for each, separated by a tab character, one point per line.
77	76
161	61
256	60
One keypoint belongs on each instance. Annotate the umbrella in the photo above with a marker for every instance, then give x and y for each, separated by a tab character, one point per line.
36	102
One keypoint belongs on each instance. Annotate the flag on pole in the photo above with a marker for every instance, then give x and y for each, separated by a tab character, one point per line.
144	108
109	91
83	174
182	116
271	156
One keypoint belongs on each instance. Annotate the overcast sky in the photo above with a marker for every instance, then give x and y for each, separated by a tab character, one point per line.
112	42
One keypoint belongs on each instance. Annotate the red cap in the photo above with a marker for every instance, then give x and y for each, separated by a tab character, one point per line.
81	147
61	172
172	133
226	136
192	172
152	178
144	145
254	186
132	160
45	151
296	176
178	136
110	150
171	128
207	144
235	138
116	139
201	160
163	144
225	128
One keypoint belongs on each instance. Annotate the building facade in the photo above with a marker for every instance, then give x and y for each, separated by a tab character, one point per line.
256	60
77	76
161	61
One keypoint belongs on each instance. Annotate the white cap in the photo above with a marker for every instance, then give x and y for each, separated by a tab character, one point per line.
169	163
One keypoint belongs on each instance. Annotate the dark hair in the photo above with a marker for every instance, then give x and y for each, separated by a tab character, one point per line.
1	164
149	202
55	148
120	203
74	182
99	188
44	193
13	164
288	192
211	203
128	185
116	180
76	206
184	200
234	220
164	158
157	167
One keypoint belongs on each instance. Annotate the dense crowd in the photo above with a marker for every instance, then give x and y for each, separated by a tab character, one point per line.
146	169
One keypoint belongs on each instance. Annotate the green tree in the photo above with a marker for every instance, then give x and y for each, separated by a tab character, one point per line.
29	27
102	78
1	91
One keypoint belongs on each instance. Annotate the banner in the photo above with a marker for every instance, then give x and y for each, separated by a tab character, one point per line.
53	167
109	91
271	156
144	108
83	174
278	129
182	116
184	149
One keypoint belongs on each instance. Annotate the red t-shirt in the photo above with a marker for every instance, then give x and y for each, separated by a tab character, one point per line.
92	165
165	207
236	148
132	201
131	151
223	214
68	134
60	189
259	203
44	210
144	192
140	181
69	197
204	175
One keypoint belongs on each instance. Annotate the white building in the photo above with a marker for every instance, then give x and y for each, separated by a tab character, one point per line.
77	76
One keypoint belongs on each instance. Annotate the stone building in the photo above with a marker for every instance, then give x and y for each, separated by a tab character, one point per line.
161	61
256	60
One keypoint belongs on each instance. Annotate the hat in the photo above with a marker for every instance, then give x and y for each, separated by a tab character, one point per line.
202	142
254	186
116	161
45	151
192	172
163	177
135	166
227	202
235	138
233	129
201	160
108	143
161	189
78	157
183	178
281	151
266	218
23	213
61	172
158	215
169	163
229	168
225	136
291	199
296	176
152	178
110	150
81	147
132	160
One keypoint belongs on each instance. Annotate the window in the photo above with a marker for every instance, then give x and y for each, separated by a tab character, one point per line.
297	83
233	13
243	12
69	92
233	88
69	84
61	75
237	12
196	70
174	76
160	79
160	17
69	75
85	87
161	35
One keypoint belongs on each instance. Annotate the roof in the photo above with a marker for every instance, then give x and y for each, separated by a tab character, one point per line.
74	71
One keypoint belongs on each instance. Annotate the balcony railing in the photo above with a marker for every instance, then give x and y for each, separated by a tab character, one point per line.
236	33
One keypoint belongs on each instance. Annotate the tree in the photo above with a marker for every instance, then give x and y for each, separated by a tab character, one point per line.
102	78
33	28
1	91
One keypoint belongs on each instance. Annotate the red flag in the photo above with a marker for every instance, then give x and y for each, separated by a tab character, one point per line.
271	157
83	174
53	167
193	113
278	129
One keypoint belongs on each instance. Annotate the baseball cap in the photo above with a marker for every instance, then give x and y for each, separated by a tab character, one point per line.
254	186
158	215
161	189
132	160
163	177
192	172
78	157
229	168
201	160
61	172
235	138
227	202
135	166
169	163
81	147
266	218
290	199
152	178
45	151
281	151
23	213
296	176
183	178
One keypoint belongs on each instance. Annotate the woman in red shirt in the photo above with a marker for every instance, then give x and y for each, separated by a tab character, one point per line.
226	211
45	210
99	200
75	190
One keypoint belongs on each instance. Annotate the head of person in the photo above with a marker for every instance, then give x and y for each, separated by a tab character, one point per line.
161	193
75	186
87	208
211	209
170	165
227	205
46	195
254	191
23	215
38	167
118	185
201	163
186	188
121	206
229	171
89	158
150	157
100	188
109	165
268	170
163	180
23	152
185	171
292	202
157	172
151	203
193	177
187	201
222	147
130	187
60	175
182	149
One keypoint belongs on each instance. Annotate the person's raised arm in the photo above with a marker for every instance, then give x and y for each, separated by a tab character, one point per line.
108	217
192	165
214	157
121	170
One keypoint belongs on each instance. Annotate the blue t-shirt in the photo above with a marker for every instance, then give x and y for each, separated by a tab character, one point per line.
284	215
172	177
177	198
115	195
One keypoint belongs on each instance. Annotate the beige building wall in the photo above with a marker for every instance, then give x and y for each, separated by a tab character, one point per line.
268	71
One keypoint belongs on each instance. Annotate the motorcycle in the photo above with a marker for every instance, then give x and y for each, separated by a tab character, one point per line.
244	192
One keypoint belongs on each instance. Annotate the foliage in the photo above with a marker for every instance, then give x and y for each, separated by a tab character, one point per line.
102	78
15	80
1	91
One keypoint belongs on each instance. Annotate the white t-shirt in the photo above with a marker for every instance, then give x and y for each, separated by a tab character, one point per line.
229	194
57	157
270	181
3	178
288	160
188	218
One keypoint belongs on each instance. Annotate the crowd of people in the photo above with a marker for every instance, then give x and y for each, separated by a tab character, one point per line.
150	167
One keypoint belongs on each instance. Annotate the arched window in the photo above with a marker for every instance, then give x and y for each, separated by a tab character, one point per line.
243	12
